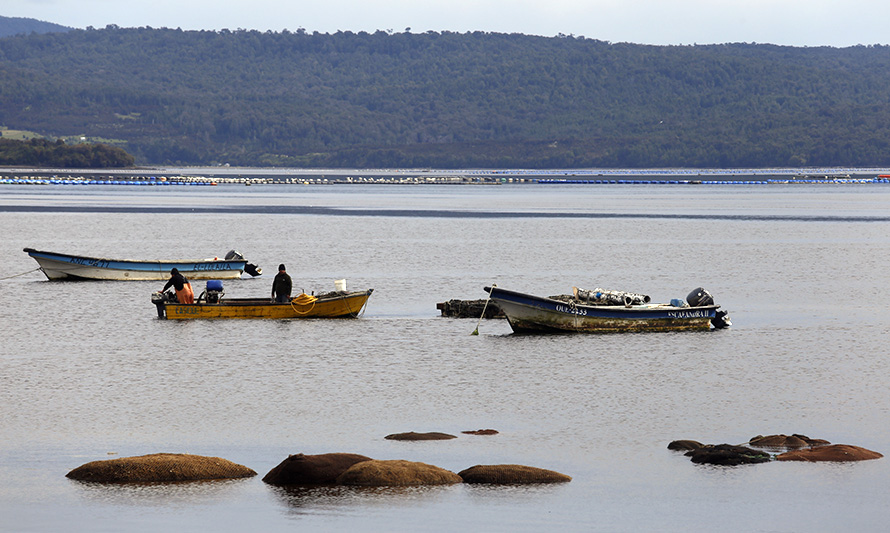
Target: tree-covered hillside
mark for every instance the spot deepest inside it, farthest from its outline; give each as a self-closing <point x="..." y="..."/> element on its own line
<point x="44" y="153"/>
<point x="448" y="99"/>
<point x="17" y="25"/>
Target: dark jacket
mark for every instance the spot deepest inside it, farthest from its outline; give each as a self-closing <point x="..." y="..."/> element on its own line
<point x="177" y="280"/>
<point x="282" y="284"/>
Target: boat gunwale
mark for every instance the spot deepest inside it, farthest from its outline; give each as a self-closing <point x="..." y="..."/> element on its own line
<point x="266" y="302"/>
<point x="51" y="256"/>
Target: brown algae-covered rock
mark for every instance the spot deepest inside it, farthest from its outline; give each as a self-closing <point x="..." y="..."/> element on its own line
<point x="787" y="442"/>
<point x="321" y="469"/>
<point x="481" y="432"/>
<point x="420" y="436"/>
<point x="831" y="452"/>
<point x="511" y="474"/>
<point x="396" y="473"/>
<point x="159" y="467"/>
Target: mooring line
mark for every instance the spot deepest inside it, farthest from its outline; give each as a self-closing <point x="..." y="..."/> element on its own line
<point x="22" y="274"/>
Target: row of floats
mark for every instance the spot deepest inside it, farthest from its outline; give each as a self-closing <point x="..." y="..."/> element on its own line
<point x="205" y="181"/>
<point x="879" y="179"/>
<point x="79" y="180"/>
<point x="167" y="181"/>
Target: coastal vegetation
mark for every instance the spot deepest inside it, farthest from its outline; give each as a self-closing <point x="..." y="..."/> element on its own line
<point x="58" y="154"/>
<point x="448" y="100"/>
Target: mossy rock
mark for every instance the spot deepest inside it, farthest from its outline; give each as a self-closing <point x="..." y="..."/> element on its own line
<point x="159" y="467"/>
<point x="396" y="473"/>
<point x="321" y="469"/>
<point x="787" y="442"/>
<point x="511" y="474"/>
<point x="420" y="436"/>
<point x="830" y="453"/>
<point x="685" y="445"/>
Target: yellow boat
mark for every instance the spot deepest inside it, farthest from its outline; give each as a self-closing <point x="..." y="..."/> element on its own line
<point x="340" y="304"/>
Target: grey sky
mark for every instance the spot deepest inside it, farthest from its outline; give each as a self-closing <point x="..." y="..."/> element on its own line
<point x="786" y="22"/>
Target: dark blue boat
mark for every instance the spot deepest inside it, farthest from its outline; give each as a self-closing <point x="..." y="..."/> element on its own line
<point x="528" y="313"/>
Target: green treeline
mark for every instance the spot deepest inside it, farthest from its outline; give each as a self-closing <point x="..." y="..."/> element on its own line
<point x="45" y="153"/>
<point x="448" y="100"/>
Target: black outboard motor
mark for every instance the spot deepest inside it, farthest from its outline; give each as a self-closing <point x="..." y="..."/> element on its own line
<point x="699" y="297"/>
<point x="721" y="320"/>
<point x="160" y="298"/>
<point x="250" y="268"/>
<point x="253" y="270"/>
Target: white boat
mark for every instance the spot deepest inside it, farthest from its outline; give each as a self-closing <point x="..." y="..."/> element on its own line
<point x="58" y="266"/>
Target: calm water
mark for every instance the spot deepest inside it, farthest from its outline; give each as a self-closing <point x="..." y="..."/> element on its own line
<point x="87" y="371"/>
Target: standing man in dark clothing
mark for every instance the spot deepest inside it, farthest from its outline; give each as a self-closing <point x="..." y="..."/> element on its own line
<point x="281" y="286"/>
<point x="184" y="293"/>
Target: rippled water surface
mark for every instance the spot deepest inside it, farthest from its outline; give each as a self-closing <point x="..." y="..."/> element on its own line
<point x="88" y="372"/>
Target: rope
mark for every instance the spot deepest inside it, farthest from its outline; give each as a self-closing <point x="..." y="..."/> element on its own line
<point x="361" y="311"/>
<point x="484" y="307"/>
<point x="304" y="299"/>
<point x="22" y="274"/>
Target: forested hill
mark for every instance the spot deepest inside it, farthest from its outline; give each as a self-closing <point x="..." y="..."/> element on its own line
<point x="18" y="25"/>
<point x="448" y="100"/>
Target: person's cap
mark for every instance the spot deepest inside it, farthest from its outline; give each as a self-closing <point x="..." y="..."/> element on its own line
<point x="174" y="271"/>
<point x="281" y="266"/>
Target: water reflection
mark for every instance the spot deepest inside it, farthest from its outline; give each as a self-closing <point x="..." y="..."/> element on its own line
<point x="184" y="493"/>
<point x="339" y="498"/>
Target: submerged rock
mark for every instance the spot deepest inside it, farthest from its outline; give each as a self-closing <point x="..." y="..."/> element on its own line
<point x="396" y="473"/>
<point x="727" y="455"/>
<point x="685" y="445"/>
<point x="831" y="452"/>
<point x="159" y="467"/>
<point x="511" y="474"/>
<point x="420" y="436"/>
<point x="785" y="441"/>
<point x="321" y="469"/>
<point x="481" y="432"/>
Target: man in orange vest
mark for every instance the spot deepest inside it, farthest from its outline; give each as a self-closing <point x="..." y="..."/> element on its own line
<point x="184" y="294"/>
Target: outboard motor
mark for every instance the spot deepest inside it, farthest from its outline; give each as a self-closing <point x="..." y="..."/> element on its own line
<point x="721" y="320"/>
<point x="250" y="268"/>
<point x="699" y="297"/>
<point x="214" y="291"/>
<point x="234" y="254"/>
<point x="159" y="299"/>
<point x="253" y="270"/>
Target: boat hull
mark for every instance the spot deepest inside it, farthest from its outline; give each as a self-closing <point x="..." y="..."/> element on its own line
<point x="58" y="266"/>
<point x="348" y="305"/>
<point x="527" y="314"/>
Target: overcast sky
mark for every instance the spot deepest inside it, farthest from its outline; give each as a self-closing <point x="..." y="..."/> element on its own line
<point x="788" y="22"/>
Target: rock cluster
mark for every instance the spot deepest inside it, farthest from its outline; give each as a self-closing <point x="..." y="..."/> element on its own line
<point x="796" y="447"/>
<point x="348" y="469"/>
